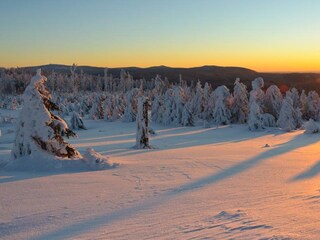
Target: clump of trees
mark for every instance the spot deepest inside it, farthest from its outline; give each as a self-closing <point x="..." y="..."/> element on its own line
<point x="108" y="98"/>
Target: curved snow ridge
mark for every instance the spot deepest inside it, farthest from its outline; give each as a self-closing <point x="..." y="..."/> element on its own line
<point x="91" y="160"/>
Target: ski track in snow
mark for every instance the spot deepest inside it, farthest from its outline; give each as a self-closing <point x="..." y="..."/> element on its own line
<point x="201" y="189"/>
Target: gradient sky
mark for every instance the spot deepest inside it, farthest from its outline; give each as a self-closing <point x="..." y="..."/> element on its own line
<point x="264" y="35"/>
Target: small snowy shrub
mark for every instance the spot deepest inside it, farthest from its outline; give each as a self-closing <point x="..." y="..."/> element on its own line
<point x="311" y="127"/>
<point x="268" y="120"/>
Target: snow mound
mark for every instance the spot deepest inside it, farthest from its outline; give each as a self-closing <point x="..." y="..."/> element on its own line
<point x="97" y="161"/>
<point x="43" y="162"/>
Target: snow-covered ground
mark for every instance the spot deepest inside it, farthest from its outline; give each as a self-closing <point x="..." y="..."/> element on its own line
<point x="197" y="183"/>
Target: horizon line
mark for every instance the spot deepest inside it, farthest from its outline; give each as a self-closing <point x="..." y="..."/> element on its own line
<point x="161" y="65"/>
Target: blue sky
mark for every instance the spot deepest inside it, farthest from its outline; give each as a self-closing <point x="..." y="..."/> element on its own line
<point x="264" y="35"/>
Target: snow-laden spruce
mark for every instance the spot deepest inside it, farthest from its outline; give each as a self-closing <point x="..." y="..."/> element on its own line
<point x="38" y="129"/>
<point x="142" y="136"/>
<point x="240" y="102"/>
<point x="130" y="109"/>
<point x="207" y="110"/>
<point x="313" y="103"/>
<point x="272" y="101"/>
<point x="221" y="112"/>
<point x="39" y="143"/>
<point x="303" y="104"/>
<point x="197" y="101"/>
<point x="255" y="118"/>
<point x="187" y="118"/>
<point x="76" y="121"/>
<point x="257" y="92"/>
<point x="157" y="109"/>
<point x="288" y="117"/>
<point x="96" y="112"/>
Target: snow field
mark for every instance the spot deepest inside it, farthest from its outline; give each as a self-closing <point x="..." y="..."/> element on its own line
<point x="197" y="184"/>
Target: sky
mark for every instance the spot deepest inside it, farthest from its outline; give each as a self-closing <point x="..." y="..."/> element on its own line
<point x="264" y="35"/>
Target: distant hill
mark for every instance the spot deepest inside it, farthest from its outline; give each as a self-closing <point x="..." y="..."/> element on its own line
<point x="215" y="75"/>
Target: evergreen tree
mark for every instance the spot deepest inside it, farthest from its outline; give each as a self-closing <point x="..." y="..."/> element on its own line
<point x="313" y="102"/>
<point x="273" y="100"/>
<point x="96" y="112"/>
<point x="129" y="113"/>
<point x="187" y="116"/>
<point x="287" y="116"/>
<point x="157" y="109"/>
<point x="206" y="97"/>
<point x="76" y="122"/>
<point x="303" y="104"/>
<point x="240" y="102"/>
<point x="221" y="112"/>
<point x="38" y="128"/>
<point x="257" y="92"/>
<point x="196" y="104"/>
<point x="255" y="118"/>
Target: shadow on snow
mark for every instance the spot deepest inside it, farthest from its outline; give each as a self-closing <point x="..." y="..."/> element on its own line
<point x="91" y="224"/>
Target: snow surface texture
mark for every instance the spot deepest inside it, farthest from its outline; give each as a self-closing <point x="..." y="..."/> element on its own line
<point x="216" y="183"/>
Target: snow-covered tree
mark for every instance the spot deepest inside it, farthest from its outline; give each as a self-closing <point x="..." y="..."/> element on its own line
<point x="273" y="100"/>
<point x="221" y="112"/>
<point x="157" y="109"/>
<point x="168" y="113"/>
<point x="76" y="121"/>
<point x="206" y="114"/>
<point x="255" y="118"/>
<point x="209" y="109"/>
<point x="187" y="118"/>
<point x="239" y="106"/>
<point x="196" y="103"/>
<point x="295" y="97"/>
<point x="286" y="120"/>
<point x="257" y="92"/>
<point x="96" y="112"/>
<point x="297" y="114"/>
<point x="129" y="111"/>
<point x="108" y="106"/>
<point x="303" y="104"/>
<point x="179" y="101"/>
<point x="142" y="137"/>
<point x="313" y="102"/>
<point x="38" y="129"/>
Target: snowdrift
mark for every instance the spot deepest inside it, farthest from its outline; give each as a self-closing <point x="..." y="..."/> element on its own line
<point x="91" y="160"/>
